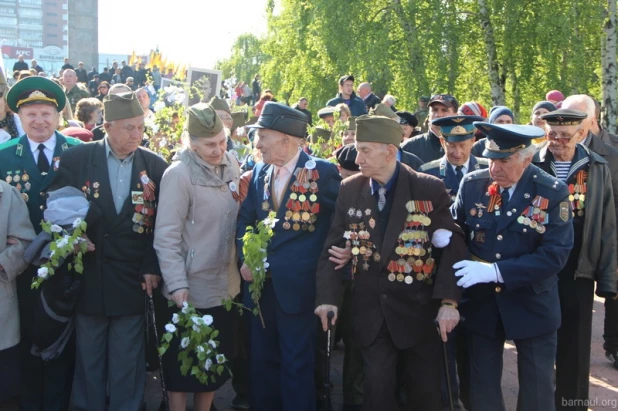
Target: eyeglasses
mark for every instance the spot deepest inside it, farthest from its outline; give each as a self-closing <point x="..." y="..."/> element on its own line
<point x="561" y="137"/>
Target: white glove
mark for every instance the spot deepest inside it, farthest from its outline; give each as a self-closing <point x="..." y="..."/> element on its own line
<point x="441" y="237"/>
<point x="474" y="272"/>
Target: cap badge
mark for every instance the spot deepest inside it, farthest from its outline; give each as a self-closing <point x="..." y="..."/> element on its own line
<point x="457" y="120"/>
<point x="458" y="130"/>
<point x="491" y="145"/>
<point x="36" y="94"/>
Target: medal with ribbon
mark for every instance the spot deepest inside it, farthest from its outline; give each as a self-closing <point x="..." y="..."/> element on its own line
<point x="577" y="193"/>
<point x="145" y="207"/>
<point x="535" y="216"/>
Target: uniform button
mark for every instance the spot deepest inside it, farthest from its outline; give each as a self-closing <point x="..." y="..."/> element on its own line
<point x="498" y="289"/>
<point x="525" y="230"/>
<point x="508" y="213"/>
<point x="477" y="226"/>
<point x="499" y="237"/>
<point x="498" y="256"/>
<point x="42" y="194"/>
<point x="514" y="210"/>
<point x="42" y="207"/>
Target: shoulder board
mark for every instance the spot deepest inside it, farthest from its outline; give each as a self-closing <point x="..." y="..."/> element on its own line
<point x="72" y="141"/>
<point x="482" y="160"/>
<point x="477" y="175"/>
<point x="11" y="143"/>
<point x="544" y="179"/>
<point x="432" y="164"/>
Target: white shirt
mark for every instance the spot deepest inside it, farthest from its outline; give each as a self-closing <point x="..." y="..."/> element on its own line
<point x="511" y="190"/>
<point x="464" y="169"/>
<point x="50" y="146"/>
<point x="282" y="176"/>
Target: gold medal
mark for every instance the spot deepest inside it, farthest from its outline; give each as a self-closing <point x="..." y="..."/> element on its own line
<point x="571" y="197"/>
<point x="296" y="227"/>
<point x="96" y="195"/>
<point x="400" y="277"/>
<point x="293" y="196"/>
<point x="306" y="216"/>
<point x="582" y="197"/>
<point x="416" y="251"/>
<point x="288" y="214"/>
<point x="355" y="251"/>
<point x="296" y="216"/>
<point x="313" y="198"/>
<point x="533" y="224"/>
<point x="265" y="205"/>
<point x="423" y="252"/>
<point x="140" y="230"/>
<point x="419" y="277"/>
<point x="391" y="277"/>
<point x="362" y="250"/>
<point x="580" y="213"/>
<point x="526" y="221"/>
<point x="25" y="177"/>
<point x="520" y="219"/>
<point x="311" y="228"/>
<point x="302" y="198"/>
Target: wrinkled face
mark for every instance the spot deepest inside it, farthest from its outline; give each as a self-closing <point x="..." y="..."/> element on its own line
<point x="437" y="110"/>
<point x="536" y="117"/>
<point x="347" y="88"/>
<point x="39" y="121"/>
<point x="349" y="137"/>
<point x="144" y="99"/>
<point x="363" y="92"/>
<point x="227" y="119"/>
<point x="508" y="171"/>
<point x="504" y="119"/>
<point x="211" y="149"/>
<point x="458" y="153"/>
<point x="125" y="135"/>
<point x="562" y="140"/>
<point x="270" y="144"/>
<point x="302" y="104"/>
<point x="69" y="78"/>
<point x="372" y="158"/>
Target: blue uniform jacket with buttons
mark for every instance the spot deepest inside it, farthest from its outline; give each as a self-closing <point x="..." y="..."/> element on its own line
<point x="527" y="302"/>
<point x="18" y="163"/>
<point x="292" y="254"/>
<point x="444" y="171"/>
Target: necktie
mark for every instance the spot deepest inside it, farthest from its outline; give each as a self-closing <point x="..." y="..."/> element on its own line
<point x="459" y="175"/>
<point x="42" y="162"/>
<point x="505" y="198"/>
<point x="381" y="198"/>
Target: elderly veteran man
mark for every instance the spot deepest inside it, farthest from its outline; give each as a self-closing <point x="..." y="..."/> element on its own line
<point x="394" y="217"/>
<point x="121" y="181"/>
<point x="593" y="139"/>
<point x="517" y="220"/>
<point x="302" y="191"/>
<point x="427" y="146"/>
<point x="327" y="114"/>
<point x="593" y="257"/>
<point x="29" y="164"/>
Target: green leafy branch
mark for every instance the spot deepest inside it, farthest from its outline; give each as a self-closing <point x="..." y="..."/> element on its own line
<point x="197" y="339"/>
<point x="254" y="248"/>
<point x="64" y="243"/>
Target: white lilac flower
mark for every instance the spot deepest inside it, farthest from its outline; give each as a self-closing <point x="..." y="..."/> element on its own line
<point x="55" y="228"/>
<point x="220" y="358"/>
<point x="185" y="307"/>
<point x="347" y="235"/>
<point x="63" y="242"/>
<point x="184" y="343"/>
<point x="196" y="320"/>
<point x="43" y="272"/>
<point x="208" y="364"/>
<point x="175" y="318"/>
<point x="170" y="328"/>
<point x="271" y="222"/>
<point x="200" y="348"/>
<point x="266" y="264"/>
<point x="212" y="344"/>
<point x="159" y="105"/>
<point x="77" y="222"/>
<point x="207" y="319"/>
<point x="196" y="327"/>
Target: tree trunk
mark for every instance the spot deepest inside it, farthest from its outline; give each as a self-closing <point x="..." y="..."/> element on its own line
<point x="497" y="91"/>
<point x="609" y="69"/>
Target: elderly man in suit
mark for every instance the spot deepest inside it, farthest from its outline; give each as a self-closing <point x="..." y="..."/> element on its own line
<point x="29" y="164"/>
<point x="394" y="217"/>
<point x="121" y="180"/>
<point x="517" y="221"/>
<point x="302" y="191"/>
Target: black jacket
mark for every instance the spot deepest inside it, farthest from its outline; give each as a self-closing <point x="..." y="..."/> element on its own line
<point x="426" y="147"/>
<point x="111" y="280"/>
<point x="20" y="65"/>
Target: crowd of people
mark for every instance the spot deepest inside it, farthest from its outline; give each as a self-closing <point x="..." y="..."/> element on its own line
<point x="389" y="225"/>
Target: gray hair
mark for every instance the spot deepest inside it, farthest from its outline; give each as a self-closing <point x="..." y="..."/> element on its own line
<point x="390" y="99"/>
<point x="364" y="85"/>
<point x="527" y="152"/>
<point x="578" y="99"/>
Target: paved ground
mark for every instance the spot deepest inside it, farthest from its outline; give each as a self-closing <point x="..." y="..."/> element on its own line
<point x="603" y="378"/>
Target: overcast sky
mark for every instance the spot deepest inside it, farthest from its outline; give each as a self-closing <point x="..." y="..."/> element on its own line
<point x="196" y="32"/>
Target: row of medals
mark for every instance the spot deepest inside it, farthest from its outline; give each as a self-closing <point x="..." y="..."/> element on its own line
<point x="362" y="246"/>
<point x="411" y="251"/>
<point x="577" y="199"/>
<point x="534" y="218"/>
<point x="301" y="220"/>
<point x="143" y="219"/>
<point x="17" y="179"/>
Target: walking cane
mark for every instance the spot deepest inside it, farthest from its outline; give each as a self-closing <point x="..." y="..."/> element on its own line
<point x="151" y="308"/>
<point x="328" y="386"/>
<point x="451" y="406"/>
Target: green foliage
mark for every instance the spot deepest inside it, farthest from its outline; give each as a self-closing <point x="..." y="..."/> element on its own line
<point x="197" y="339"/>
<point x="412" y="48"/>
<point x="65" y="242"/>
<point x="246" y="59"/>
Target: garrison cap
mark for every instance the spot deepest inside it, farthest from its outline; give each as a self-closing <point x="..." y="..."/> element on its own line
<point x="203" y="121"/>
<point x="564" y="117"/>
<point x="320" y="132"/>
<point x="457" y="128"/>
<point x="122" y="106"/>
<point x="220" y="104"/>
<point x="378" y="129"/>
<point x="239" y="119"/>
<point x="35" y="90"/>
<point x="383" y="110"/>
<point x="351" y="124"/>
<point x="505" y="139"/>
<point x="279" y="117"/>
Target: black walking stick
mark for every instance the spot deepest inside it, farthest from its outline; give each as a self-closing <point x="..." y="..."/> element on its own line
<point x="451" y="406"/>
<point x="151" y="308"/>
<point x="328" y="386"/>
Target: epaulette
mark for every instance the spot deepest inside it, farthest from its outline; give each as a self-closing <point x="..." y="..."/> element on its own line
<point x="546" y="180"/>
<point x="477" y="175"/>
<point x="72" y="141"/>
<point x="12" y="142"/>
<point x="431" y="165"/>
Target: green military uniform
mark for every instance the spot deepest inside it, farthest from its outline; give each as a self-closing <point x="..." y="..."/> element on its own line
<point x="75" y="95"/>
<point x="44" y="384"/>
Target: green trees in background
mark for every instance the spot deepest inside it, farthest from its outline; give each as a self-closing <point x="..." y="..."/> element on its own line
<point x="492" y="51"/>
